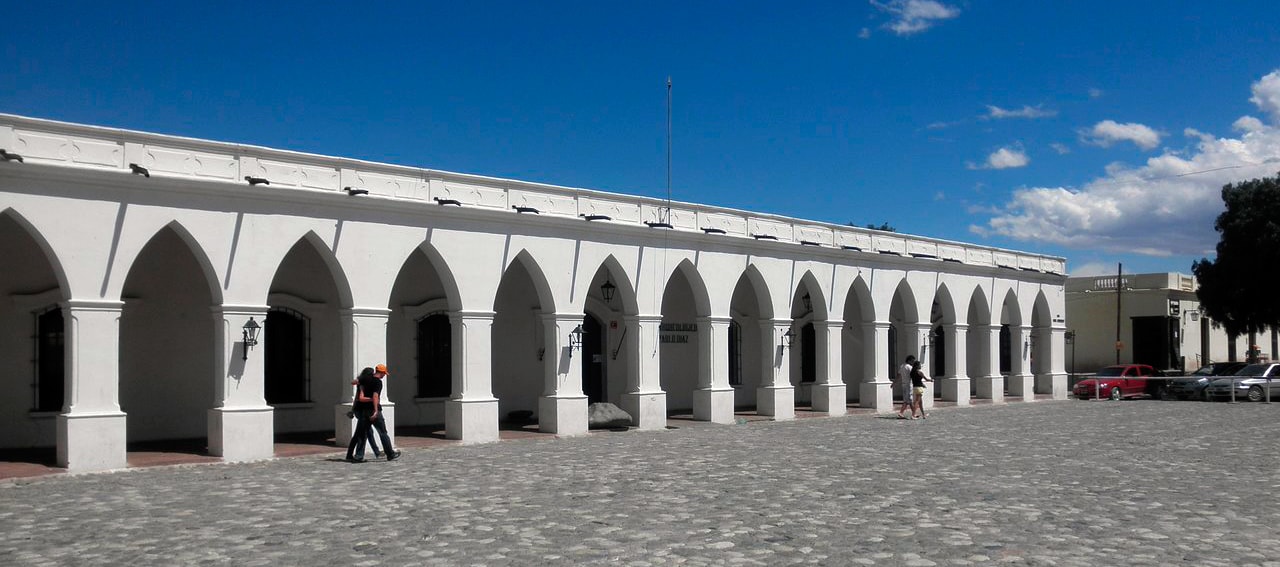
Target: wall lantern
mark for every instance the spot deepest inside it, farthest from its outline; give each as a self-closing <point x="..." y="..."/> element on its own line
<point x="788" y="338"/>
<point x="808" y="303"/>
<point x="607" y="289"/>
<point x="250" y="334"/>
<point x="575" y="338"/>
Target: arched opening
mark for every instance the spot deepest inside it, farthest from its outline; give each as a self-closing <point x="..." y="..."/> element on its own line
<point x="167" y="348"/>
<point x="519" y="346"/>
<point x="303" y="373"/>
<point x="751" y="312"/>
<point x="1041" y="346"/>
<point x="420" y="339"/>
<point x="979" y="367"/>
<point x="808" y="306"/>
<point x="904" y="333"/>
<point x="610" y="299"/>
<point x="857" y="350"/>
<point x="942" y="329"/>
<point x="679" y="350"/>
<point x="1013" y="347"/>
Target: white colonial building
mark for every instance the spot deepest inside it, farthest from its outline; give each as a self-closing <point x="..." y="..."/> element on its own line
<point x="132" y="263"/>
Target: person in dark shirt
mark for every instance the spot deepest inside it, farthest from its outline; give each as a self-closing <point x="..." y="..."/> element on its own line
<point x="362" y="407"/>
<point x="917" y="389"/>
<point x="374" y="391"/>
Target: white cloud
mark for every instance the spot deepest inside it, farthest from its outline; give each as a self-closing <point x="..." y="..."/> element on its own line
<point x="1092" y="269"/>
<point x="1110" y="132"/>
<point x="1164" y="207"/>
<point x="864" y="33"/>
<point x="1248" y="124"/>
<point x="914" y="16"/>
<point x="1266" y="95"/>
<point x="1038" y="111"/>
<point x="939" y="196"/>
<point x="1004" y="158"/>
<point x="1095" y="93"/>
<point x="1062" y="149"/>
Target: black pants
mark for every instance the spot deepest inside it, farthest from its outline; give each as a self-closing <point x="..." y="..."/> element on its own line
<point x="355" y="449"/>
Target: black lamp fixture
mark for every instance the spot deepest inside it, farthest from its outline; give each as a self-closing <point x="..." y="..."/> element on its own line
<point x="250" y="334"/>
<point x="139" y="170"/>
<point x="353" y="191"/>
<point x="788" y="338"/>
<point x="808" y="302"/>
<point x="575" y="338"/>
<point x="607" y="290"/>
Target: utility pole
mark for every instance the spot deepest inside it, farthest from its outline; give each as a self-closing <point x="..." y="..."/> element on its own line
<point x="1119" y="294"/>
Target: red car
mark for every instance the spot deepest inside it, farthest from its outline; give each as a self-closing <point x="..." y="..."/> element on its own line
<point x="1115" y="382"/>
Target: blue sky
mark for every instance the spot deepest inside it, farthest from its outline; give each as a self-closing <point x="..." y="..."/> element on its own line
<point x="1080" y="129"/>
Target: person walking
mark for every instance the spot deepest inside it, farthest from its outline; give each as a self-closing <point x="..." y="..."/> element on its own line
<point x="917" y="390"/>
<point x="904" y="382"/>
<point x="374" y="391"/>
<point x="362" y="407"/>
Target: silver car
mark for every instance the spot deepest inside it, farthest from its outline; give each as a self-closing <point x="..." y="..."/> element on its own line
<point x="1250" y="383"/>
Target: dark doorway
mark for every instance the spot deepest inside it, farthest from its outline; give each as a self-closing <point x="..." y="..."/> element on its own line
<point x="808" y="354"/>
<point x="1155" y="342"/>
<point x="939" y="365"/>
<point x="435" y="356"/>
<point x="287" y="343"/>
<point x="1005" y="349"/>
<point x="735" y="353"/>
<point x="593" y="360"/>
<point x="50" y="360"/>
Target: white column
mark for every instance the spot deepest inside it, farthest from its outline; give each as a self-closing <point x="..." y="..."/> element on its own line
<point x="713" y="398"/>
<point x="91" y="428"/>
<point x="364" y="339"/>
<point x="241" y="424"/>
<point x="877" y="390"/>
<point x="1055" y="381"/>
<point x="471" y="413"/>
<point x="829" y="390"/>
<point x="775" y="396"/>
<point x="955" y="388"/>
<point x="991" y="386"/>
<point x="644" y="398"/>
<point x="562" y="408"/>
<point x="1020" y="382"/>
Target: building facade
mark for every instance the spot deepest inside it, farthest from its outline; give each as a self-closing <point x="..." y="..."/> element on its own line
<point x="135" y="262"/>
<point x="1150" y="319"/>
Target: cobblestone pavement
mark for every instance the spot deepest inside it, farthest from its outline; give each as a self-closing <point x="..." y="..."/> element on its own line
<point x="1051" y="483"/>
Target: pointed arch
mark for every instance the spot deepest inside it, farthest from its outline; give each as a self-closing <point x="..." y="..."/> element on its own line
<point x="943" y="306"/>
<point x="859" y="297"/>
<point x="626" y="291"/>
<point x="817" y="299"/>
<point x="904" y="303"/>
<point x="546" y="300"/>
<point x="1010" y="309"/>
<point x="979" y="308"/>
<point x="207" y="271"/>
<point x="55" y="264"/>
<point x="701" y="298"/>
<point x="336" y="271"/>
<point x="760" y="289"/>
<point x="441" y="267"/>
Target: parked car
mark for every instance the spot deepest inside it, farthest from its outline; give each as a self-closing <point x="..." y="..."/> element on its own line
<point x="1249" y="383"/>
<point x="1191" y="386"/>
<point x="1115" y="382"/>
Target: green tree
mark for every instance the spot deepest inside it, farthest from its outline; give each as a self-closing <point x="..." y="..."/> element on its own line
<point x="1240" y="288"/>
<point x="882" y="226"/>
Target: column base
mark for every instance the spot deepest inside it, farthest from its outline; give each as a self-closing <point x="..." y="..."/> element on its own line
<point x="777" y="401"/>
<point x="648" y="410"/>
<point x="713" y="405"/>
<point x="990" y="388"/>
<point x="1021" y="386"/>
<point x="956" y="390"/>
<point x="92" y="441"/>
<point x="829" y="399"/>
<point x="926" y="403"/>
<point x="242" y="434"/>
<point x="1053" y="384"/>
<point x="471" y="421"/>
<point x="562" y="415"/>
<point x="876" y="395"/>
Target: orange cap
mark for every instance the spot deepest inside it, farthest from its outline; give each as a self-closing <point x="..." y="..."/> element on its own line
<point x="381" y="368"/>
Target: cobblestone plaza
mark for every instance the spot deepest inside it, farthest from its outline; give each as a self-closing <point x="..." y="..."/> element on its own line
<point x="1049" y="483"/>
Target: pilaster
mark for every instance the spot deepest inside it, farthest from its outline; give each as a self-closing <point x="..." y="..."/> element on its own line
<point x="955" y="388"/>
<point x="91" y="428"/>
<point x="775" y="397"/>
<point x="562" y="408"/>
<point x="829" y="391"/>
<point x="1020" y="383"/>
<point x="471" y="413"/>
<point x="241" y="425"/>
<point x="644" y="398"/>
<point x="877" y="391"/>
<point x="713" y="398"/>
<point x="364" y="339"/>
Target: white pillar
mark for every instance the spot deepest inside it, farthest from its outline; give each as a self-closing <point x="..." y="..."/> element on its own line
<point x="364" y="339"/>
<point x="775" y="397"/>
<point x="877" y="390"/>
<point x="1055" y="381"/>
<point x="713" y="398"/>
<point x="991" y="386"/>
<point x="241" y="424"/>
<point x="91" y="427"/>
<point x="471" y="412"/>
<point x="955" y="388"/>
<point x="562" y="408"/>
<point x="1020" y="383"/>
<point x="829" y="390"/>
<point x="644" y="398"/>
